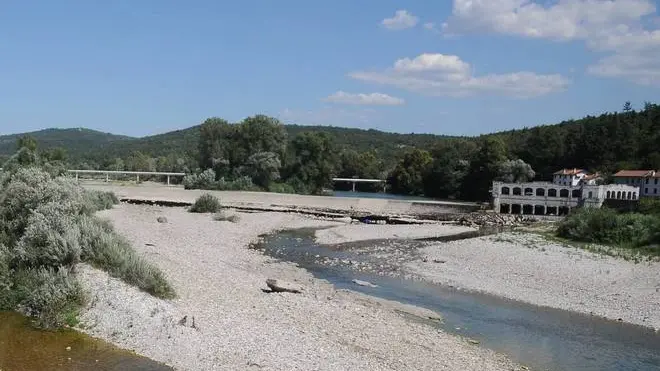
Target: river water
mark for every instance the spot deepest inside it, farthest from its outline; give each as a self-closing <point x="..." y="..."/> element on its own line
<point x="541" y="338"/>
<point x="24" y="348"/>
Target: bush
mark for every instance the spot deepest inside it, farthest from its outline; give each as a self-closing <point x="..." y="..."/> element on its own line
<point x="281" y="188"/>
<point x="106" y="250"/>
<point x="52" y="296"/>
<point x="206" y="203"/>
<point x="46" y="227"/>
<point x="649" y="206"/>
<point x="51" y="239"/>
<point x="100" y="200"/>
<point x="226" y="217"/>
<point x="608" y="227"/>
<point x="205" y="180"/>
<point x="6" y="280"/>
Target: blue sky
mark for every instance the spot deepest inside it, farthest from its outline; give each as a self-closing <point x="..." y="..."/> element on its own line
<point x="447" y="67"/>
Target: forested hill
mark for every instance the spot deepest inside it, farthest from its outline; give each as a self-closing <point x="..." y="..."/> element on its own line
<point x="77" y="140"/>
<point x="93" y="147"/>
<point x="438" y="166"/>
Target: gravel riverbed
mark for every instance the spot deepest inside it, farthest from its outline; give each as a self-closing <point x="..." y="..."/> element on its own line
<point x="222" y="320"/>
<point x="528" y="268"/>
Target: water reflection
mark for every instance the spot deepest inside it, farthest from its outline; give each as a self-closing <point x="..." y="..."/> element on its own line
<point x="25" y="348"/>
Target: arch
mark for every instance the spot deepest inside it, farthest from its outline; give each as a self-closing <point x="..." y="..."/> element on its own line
<point x="529" y="192"/>
<point x="517" y="191"/>
<point x="563" y="193"/>
<point x="608" y="194"/>
<point x="618" y="195"/>
<point x="528" y="209"/>
<point x="634" y="195"/>
<point x="552" y="192"/>
<point x="505" y="191"/>
<point x="505" y="209"/>
<point x="630" y="195"/>
<point x="576" y="193"/>
<point x="539" y="210"/>
<point x="540" y="192"/>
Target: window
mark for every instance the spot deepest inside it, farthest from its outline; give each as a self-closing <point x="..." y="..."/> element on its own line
<point x="646" y="191"/>
<point x="656" y="180"/>
<point x="608" y="195"/>
<point x="505" y="190"/>
<point x="647" y="180"/>
<point x="655" y="191"/>
<point x="591" y="194"/>
<point x="563" y="193"/>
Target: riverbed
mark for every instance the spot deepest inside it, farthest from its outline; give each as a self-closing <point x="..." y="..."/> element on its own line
<point x="540" y="337"/>
<point x="221" y="283"/>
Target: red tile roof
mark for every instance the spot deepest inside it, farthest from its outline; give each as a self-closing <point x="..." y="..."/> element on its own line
<point x="591" y="176"/>
<point x="570" y="171"/>
<point x="634" y="173"/>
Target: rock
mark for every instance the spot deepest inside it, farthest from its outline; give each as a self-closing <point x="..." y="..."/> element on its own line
<point x="471" y="341"/>
<point x="364" y="283"/>
<point x="161" y="219"/>
<point x="68" y="348"/>
<point x="439" y="261"/>
<point x="281" y="286"/>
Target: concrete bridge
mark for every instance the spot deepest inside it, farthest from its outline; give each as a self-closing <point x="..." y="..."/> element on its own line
<point x="354" y="181"/>
<point x="136" y="173"/>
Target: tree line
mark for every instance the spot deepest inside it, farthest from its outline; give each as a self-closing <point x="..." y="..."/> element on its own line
<point x="261" y="153"/>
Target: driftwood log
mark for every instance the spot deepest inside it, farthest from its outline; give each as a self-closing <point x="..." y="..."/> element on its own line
<point x="279" y="286"/>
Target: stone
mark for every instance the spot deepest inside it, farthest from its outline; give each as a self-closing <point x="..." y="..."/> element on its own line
<point x="161" y="219"/>
<point x="281" y="286"/>
<point x="364" y="283"/>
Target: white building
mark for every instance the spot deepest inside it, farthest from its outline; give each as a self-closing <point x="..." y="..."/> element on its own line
<point x="648" y="181"/>
<point x="569" y="177"/>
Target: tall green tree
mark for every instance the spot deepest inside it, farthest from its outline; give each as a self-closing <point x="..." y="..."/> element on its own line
<point x="312" y="163"/>
<point x="484" y="168"/>
<point x="408" y="176"/>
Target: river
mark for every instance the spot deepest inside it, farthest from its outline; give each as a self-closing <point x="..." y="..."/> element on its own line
<point x="541" y="338"/>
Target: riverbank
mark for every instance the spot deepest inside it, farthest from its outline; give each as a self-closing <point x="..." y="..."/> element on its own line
<point x="528" y="268"/>
<point x="345" y="205"/>
<point x="525" y="267"/>
<point x="223" y="320"/>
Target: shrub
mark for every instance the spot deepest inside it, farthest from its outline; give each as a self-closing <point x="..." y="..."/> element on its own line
<point x="106" y="250"/>
<point x="206" y="203"/>
<point x="52" y="296"/>
<point x="205" y="180"/>
<point x="281" y="188"/>
<point x="100" y="200"/>
<point x="51" y="239"/>
<point x="226" y="217"/>
<point x="6" y="280"/>
<point x="607" y="227"/>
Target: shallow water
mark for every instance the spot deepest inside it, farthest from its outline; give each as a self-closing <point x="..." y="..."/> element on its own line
<point x="541" y="338"/>
<point x="387" y="196"/>
<point x="25" y="348"/>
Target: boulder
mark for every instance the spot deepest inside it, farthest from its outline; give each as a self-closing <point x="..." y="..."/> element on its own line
<point x="282" y="286"/>
<point x="161" y="219"/>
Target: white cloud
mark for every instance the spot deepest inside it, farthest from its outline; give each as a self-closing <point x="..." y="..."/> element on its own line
<point x="402" y="19"/>
<point x="617" y="27"/>
<point x="430" y="26"/>
<point x="448" y="75"/>
<point x="373" y="99"/>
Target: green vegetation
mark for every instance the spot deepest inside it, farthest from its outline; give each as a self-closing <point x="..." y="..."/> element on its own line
<point x="606" y="226"/>
<point x="271" y="154"/>
<point x="223" y="216"/>
<point x="206" y="203"/>
<point x="47" y="227"/>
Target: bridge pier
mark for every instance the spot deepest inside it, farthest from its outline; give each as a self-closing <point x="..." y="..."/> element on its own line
<point x="353" y="186"/>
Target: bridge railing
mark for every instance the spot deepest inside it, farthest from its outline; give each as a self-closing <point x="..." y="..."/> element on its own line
<point x="137" y="174"/>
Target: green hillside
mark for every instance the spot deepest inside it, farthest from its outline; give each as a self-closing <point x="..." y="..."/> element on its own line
<point x="76" y="141"/>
